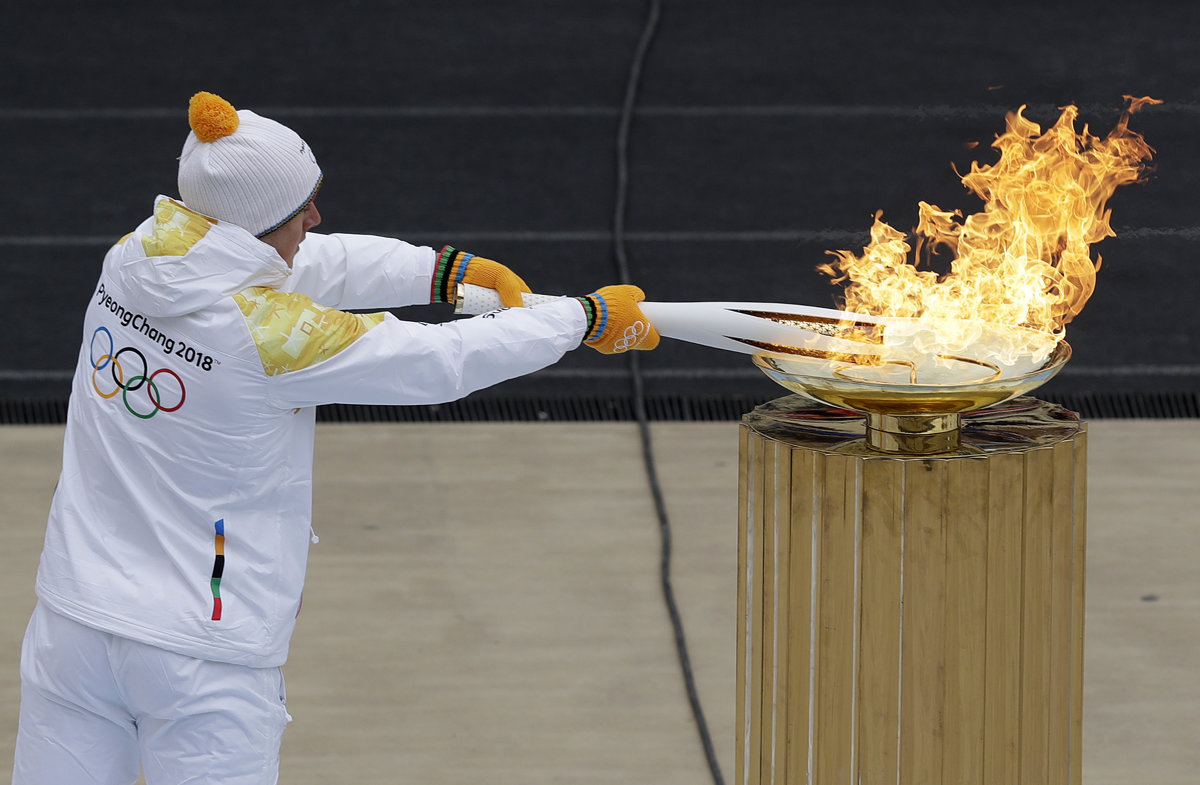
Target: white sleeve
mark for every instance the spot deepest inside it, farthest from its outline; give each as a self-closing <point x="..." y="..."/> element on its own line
<point x="358" y="271"/>
<point x="401" y="362"/>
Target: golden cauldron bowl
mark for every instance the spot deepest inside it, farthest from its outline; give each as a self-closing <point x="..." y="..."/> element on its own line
<point x="905" y="413"/>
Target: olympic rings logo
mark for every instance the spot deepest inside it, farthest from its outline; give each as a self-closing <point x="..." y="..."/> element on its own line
<point x="634" y="334"/>
<point x="112" y="361"/>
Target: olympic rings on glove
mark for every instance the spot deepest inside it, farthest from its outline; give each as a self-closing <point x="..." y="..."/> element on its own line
<point x="634" y="334"/>
<point x="145" y="379"/>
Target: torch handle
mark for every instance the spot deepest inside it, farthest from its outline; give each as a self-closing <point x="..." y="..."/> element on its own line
<point x="471" y="299"/>
<point x="748" y="328"/>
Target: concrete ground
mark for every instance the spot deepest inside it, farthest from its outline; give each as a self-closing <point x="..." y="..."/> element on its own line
<point x="484" y="603"/>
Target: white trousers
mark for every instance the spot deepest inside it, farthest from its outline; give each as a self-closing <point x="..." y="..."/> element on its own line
<point x="96" y="708"/>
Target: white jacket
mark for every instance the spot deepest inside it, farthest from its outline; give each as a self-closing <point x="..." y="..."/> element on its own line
<point x="182" y="515"/>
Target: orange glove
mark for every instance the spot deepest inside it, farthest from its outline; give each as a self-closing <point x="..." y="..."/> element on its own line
<point x="615" y="322"/>
<point x="455" y="267"/>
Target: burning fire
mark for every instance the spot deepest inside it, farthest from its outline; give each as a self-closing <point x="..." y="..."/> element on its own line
<point x="1021" y="267"/>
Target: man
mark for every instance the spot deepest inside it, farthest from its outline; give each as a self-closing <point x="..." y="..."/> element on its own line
<point x="177" y="539"/>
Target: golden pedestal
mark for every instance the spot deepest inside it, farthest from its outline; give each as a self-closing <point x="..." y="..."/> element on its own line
<point x="910" y="620"/>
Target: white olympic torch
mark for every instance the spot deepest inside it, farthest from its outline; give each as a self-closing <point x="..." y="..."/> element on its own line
<point x="749" y="328"/>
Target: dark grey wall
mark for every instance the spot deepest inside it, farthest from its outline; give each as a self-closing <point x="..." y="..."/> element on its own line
<point x="767" y="133"/>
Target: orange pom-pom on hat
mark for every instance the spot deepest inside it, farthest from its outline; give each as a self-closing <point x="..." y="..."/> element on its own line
<point x="211" y="117"/>
<point x="239" y="167"/>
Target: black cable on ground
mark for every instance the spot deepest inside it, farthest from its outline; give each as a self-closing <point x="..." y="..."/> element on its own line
<point x="639" y="398"/>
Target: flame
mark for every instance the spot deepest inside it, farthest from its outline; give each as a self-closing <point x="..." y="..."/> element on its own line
<point x="1022" y="264"/>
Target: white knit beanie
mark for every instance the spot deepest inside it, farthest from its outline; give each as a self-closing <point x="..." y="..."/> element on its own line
<point x="245" y="169"/>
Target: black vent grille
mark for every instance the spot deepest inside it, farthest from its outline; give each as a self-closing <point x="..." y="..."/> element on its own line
<point x="33" y="411"/>
<point x="1134" y="406"/>
<point x="574" y="409"/>
<point x="1178" y="405"/>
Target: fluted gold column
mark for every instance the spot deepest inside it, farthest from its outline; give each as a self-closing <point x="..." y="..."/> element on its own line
<point x="910" y="620"/>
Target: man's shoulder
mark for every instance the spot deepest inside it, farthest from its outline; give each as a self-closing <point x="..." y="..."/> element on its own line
<point x="293" y="332"/>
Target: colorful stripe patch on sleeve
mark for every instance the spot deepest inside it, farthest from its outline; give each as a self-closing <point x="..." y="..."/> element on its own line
<point x="218" y="569"/>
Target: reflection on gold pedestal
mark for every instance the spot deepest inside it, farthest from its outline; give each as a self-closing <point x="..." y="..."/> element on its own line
<point x="910" y="619"/>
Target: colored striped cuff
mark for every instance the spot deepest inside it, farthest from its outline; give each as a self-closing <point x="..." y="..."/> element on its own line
<point x="449" y="271"/>
<point x="597" y="316"/>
